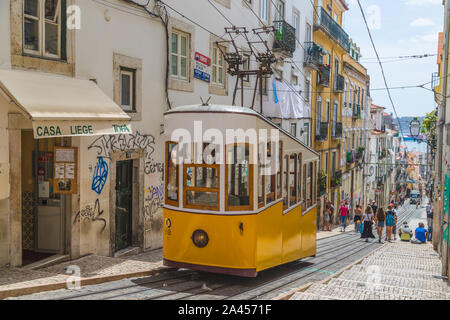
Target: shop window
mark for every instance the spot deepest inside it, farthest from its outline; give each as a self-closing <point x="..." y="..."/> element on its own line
<point x="201" y="186"/>
<point x="172" y="184"/>
<point x="293" y="180"/>
<point x="43" y="29"/>
<point x="238" y="178"/>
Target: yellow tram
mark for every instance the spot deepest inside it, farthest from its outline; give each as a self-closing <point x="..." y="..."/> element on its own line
<point x="240" y="193"/>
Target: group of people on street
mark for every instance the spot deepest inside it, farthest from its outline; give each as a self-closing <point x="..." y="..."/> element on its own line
<point x="377" y="216"/>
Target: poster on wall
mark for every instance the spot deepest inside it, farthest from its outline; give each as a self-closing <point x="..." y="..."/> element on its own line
<point x="65" y="164"/>
<point x="202" y="66"/>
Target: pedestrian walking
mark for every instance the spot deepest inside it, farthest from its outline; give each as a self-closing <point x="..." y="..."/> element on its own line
<point x="390" y="222"/>
<point x="394" y="228"/>
<point x="429" y="215"/>
<point x="380" y="220"/>
<point x="343" y="212"/>
<point x="368" y="219"/>
<point x="357" y="217"/>
<point x="374" y="207"/>
<point x="326" y="217"/>
<point x="331" y="213"/>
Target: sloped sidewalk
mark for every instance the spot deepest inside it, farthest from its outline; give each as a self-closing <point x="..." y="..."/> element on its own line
<point x="396" y="271"/>
<point x="93" y="270"/>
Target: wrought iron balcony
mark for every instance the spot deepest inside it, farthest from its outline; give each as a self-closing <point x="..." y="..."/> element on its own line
<point x="360" y="153"/>
<point x="323" y="133"/>
<point x="337" y="130"/>
<point x="339" y="83"/>
<point x="435" y="80"/>
<point x="326" y="23"/>
<point x="350" y="157"/>
<point x="336" y="179"/>
<point x="284" y="38"/>
<point x="356" y="111"/>
<point x="313" y="53"/>
<point x="323" y="76"/>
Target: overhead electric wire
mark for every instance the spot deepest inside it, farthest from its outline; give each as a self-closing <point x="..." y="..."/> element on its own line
<point x="382" y="69"/>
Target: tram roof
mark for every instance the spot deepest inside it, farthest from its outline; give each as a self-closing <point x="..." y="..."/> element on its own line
<point x="233" y="109"/>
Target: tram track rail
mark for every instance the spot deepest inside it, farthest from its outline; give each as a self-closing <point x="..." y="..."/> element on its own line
<point x="186" y="284"/>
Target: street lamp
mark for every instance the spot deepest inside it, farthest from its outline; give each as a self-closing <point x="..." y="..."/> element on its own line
<point x="414" y="127"/>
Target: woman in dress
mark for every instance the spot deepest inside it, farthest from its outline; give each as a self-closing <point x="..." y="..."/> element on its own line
<point x="368" y="219"/>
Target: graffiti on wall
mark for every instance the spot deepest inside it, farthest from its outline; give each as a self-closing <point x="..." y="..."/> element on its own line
<point x="90" y="213"/>
<point x="154" y="199"/>
<point x="122" y="142"/>
<point x="100" y="175"/>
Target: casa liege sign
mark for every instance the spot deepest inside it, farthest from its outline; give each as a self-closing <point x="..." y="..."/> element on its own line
<point x="49" y="129"/>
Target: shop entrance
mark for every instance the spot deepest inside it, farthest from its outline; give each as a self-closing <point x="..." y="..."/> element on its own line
<point x="124" y="200"/>
<point x="43" y="211"/>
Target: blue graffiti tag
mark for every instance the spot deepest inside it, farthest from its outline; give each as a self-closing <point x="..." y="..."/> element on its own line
<point x="100" y="175"/>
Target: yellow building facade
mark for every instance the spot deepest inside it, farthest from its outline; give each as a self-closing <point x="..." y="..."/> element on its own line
<point x="326" y="57"/>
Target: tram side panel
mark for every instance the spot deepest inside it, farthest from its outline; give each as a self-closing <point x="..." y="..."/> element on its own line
<point x="269" y="251"/>
<point x="292" y="235"/>
<point x="309" y="232"/>
<point x="231" y="239"/>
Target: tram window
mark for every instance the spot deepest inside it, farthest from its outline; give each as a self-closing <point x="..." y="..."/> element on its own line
<point x="239" y="178"/>
<point x="299" y="179"/>
<point x="261" y="175"/>
<point x="279" y="169"/>
<point x="309" y="186"/>
<point x="285" y="181"/>
<point x="270" y="180"/>
<point x="293" y="180"/>
<point x="171" y="174"/>
<point x="201" y="186"/>
<point x="314" y="177"/>
<point x="304" y="184"/>
<point x="207" y="154"/>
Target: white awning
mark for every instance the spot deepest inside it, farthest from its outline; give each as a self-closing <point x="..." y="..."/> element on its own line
<point x="61" y="106"/>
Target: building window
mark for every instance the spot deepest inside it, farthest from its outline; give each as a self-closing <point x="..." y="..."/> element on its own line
<point x="246" y="67"/>
<point x="293" y="129"/>
<point x="128" y="89"/>
<point x="296" y="24"/>
<point x="307" y="89"/>
<point x="306" y="131"/>
<point x="42" y="27"/>
<point x="279" y="14"/>
<point x="218" y="67"/>
<point x="308" y="33"/>
<point x="264" y="10"/>
<point x="294" y="79"/>
<point x="180" y="54"/>
<point x="318" y="114"/>
<point x="264" y="86"/>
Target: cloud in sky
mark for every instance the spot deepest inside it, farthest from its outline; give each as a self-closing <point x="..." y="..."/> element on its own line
<point x="430" y="37"/>
<point x="421" y="2"/>
<point x="422" y="22"/>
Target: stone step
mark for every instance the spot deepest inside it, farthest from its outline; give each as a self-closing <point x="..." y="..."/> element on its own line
<point x="343" y="293"/>
<point x="431" y="284"/>
<point x="407" y="254"/>
<point x="407" y="273"/>
<point x="388" y="289"/>
<point x="402" y="264"/>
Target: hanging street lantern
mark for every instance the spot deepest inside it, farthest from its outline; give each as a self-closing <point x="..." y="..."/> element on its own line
<point x="414" y="127"/>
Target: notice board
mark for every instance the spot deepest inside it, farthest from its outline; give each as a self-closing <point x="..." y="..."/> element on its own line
<point x="65" y="170"/>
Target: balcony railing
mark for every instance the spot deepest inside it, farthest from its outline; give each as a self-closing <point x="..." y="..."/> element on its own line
<point x="350" y="157"/>
<point x="323" y="133"/>
<point x="339" y="83"/>
<point x="313" y="53"/>
<point x="356" y="111"/>
<point x="336" y="179"/>
<point x="323" y="76"/>
<point x="337" y="130"/>
<point x="435" y="80"/>
<point x="327" y="23"/>
<point x="284" y="38"/>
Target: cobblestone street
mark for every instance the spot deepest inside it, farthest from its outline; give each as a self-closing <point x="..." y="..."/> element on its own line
<point x="396" y="271"/>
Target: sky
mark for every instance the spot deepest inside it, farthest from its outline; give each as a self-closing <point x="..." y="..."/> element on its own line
<point x="398" y="28"/>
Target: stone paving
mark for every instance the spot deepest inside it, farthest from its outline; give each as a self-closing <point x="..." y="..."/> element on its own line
<point x="396" y="271"/>
<point x="90" y="267"/>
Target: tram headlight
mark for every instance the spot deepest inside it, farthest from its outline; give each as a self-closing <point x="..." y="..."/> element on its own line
<point x="200" y="238"/>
